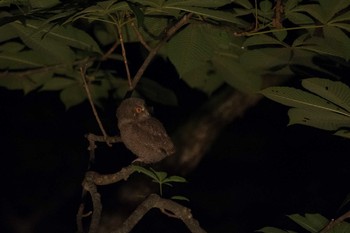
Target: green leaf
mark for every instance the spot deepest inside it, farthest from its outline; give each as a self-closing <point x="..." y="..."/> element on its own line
<point x="26" y="83"/>
<point x="156" y="92"/>
<point x="41" y="4"/>
<point x="198" y="3"/>
<point x="138" y="13"/>
<point x="311" y="222"/>
<point x="145" y="171"/>
<point x="73" y="95"/>
<point x="160" y="176"/>
<point x="103" y="35"/>
<point x="340" y="18"/>
<point x="343" y="227"/>
<point x="271" y="230"/>
<point x="187" y="49"/>
<point x="331" y="8"/>
<point x="299" y="41"/>
<point x="99" y="90"/>
<point x="299" y="18"/>
<point x="99" y="11"/>
<point x="120" y="85"/>
<point x="301" y="99"/>
<point x="343" y="133"/>
<point x="74" y="37"/>
<point x="177" y="179"/>
<point x="179" y="198"/>
<point x="7" y="33"/>
<point x="262" y="40"/>
<point x="344" y="26"/>
<point x="290" y="4"/>
<point x="280" y="35"/>
<point x="67" y="35"/>
<point x="152" y="3"/>
<point x="334" y="91"/>
<point x="12" y="47"/>
<point x="314" y="10"/>
<point x="153" y="28"/>
<point x="321" y="46"/>
<point x="265" y="6"/>
<point x="338" y="40"/>
<point x="58" y="83"/>
<point x="305" y="58"/>
<point x="204" y="78"/>
<point x="21" y="60"/>
<point x="265" y="59"/>
<point x="219" y="38"/>
<point x="52" y="50"/>
<point x="213" y="14"/>
<point x="245" y="3"/>
<point x="319" y="119"/>
<point x="235" y="75"/>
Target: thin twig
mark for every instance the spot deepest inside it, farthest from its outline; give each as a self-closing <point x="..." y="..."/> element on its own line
<point x="256" y="24"/>
<point x="110" y="51"/>
<point x="184" y="20"/>
<point x="82" y="72"/>
<point x="140" y="37"/>
<point x="121" y="40"/>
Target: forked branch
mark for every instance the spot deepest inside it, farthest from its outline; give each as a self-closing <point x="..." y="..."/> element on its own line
<point x="155" y="201"/>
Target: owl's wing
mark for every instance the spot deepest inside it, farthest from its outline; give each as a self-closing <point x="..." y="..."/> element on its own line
<point x="156" y="134"/>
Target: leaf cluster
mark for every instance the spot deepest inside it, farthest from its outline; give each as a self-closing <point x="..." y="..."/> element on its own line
<point x="44" y="43"/>
<point x="162" y="179"/>
<point x="327" y="107"/>
<point x="312" y="223"/>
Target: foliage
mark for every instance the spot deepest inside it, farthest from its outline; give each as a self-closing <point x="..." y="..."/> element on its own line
<point x="44" y="43"/>
<point x="313" y="223"/>
<point x="328" y="108"/>
<point x="161" y="178"/>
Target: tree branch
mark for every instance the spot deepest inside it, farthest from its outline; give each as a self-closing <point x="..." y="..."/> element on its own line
<point x="185" y="20"/>
<point x="195" y="138"/>
<point x="121" y="40"/>
<point x="155" y="201"/>
<point x="334" y="223"/>
<point x="82" y="73"/>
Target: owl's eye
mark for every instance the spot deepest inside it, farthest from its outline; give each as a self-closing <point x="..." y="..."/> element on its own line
<point x="138" y="109"/>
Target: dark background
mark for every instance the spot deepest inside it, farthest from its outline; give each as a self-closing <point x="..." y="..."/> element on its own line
<point x="257" y="172"/>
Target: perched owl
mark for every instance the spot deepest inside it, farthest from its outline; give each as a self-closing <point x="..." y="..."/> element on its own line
<point x="141" y="133"/>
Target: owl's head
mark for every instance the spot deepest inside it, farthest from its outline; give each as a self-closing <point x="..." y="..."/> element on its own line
<point x="132" y="109"/>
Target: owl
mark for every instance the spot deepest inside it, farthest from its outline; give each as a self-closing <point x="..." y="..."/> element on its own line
<point x="141" y="133"/>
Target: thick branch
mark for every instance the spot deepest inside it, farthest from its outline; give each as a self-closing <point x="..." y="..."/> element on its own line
<point x="195" y="138"/>
<point x="154" y="201"/>
<point x="100" y="179"/>
<point x="90" y="186"/>
<point x="91" y="180"/>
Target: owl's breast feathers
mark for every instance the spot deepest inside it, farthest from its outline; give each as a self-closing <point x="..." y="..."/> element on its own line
<point x="147" y="139"/>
